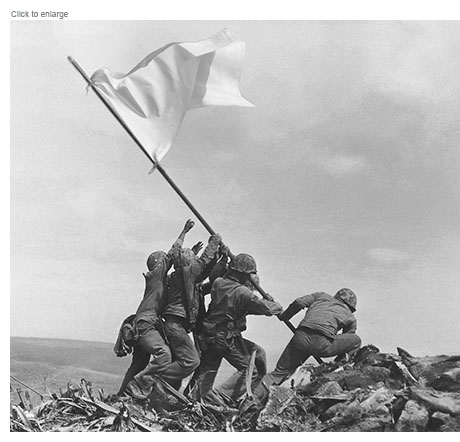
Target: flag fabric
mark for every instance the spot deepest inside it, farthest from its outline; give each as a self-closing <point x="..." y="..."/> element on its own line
<point x="153" y="97"/>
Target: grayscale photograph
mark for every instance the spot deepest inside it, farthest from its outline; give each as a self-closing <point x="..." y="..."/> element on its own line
<point x="234" y="225"/>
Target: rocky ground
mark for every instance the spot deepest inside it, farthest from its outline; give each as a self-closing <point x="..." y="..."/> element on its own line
<point x="374" y="392"/>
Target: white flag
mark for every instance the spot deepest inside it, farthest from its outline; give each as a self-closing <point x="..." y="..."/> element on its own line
<point x="153" y="97"/>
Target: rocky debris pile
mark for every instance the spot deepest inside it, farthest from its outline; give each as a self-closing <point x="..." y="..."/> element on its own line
<point x="77" y="409"/>
<point x="374" y="392"/>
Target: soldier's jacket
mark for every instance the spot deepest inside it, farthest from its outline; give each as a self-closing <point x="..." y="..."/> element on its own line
<point x="230" y="303"/>
<point x="325" y="314"/>
<point x="218" y="270"/>
<point x="154" y="299"/>
<point x="182" y="291"/>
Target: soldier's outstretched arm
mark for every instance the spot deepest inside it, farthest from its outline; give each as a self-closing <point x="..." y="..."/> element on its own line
<point x="187" y="227"/>
<point x="274" y="307"/>
<point x="296" y="306"/>
<point x="257" y="306"/>
<point x="207" y="256"/>
<point x="175" y="248"/>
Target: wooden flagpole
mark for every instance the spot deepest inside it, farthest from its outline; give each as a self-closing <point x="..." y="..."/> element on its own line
<point x="264" y="294"/>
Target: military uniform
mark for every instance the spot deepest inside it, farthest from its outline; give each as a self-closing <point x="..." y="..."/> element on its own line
<point x="182" y="309"/>
<point x="150" y="342"/>
<point x="225" y="320"/>
<point x="316" y="334"/>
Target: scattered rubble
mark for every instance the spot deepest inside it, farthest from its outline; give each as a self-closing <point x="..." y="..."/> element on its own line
<point x="375" y="392"/>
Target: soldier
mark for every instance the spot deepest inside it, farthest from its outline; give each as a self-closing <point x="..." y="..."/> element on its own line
<point x="317" y="335"/>
<point x="225" y="320"/>
<point x="147" y="323"/>
<point x="180" y="316"/>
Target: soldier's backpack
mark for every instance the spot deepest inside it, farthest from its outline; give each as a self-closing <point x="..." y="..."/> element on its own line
<point x="127" y="337"/>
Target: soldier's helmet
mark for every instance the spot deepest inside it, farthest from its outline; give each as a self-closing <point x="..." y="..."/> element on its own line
<point x="243" y="263"/>
<point x="154" y="259"/>
<point x="348" y="297"/>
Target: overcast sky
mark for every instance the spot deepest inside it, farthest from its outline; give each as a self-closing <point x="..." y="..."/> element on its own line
<point x="345" y="174"/>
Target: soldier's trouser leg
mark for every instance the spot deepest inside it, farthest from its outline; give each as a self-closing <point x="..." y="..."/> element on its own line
<point x="140" y="360"/>
<point x="261" y="361"/>
<point x="235" y="386"/>
<point x="295" y="354"/>
<point x="152" y="342"/>
<point x="185" y="357"/>
<point x="306" y="343"/>
<point x="345" y="343"/>
<point x="206" y="374"/>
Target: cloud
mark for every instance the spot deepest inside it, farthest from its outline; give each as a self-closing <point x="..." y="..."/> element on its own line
<point x="388" y="256"/>
<point x="339" y="165"/>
